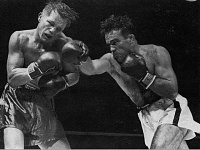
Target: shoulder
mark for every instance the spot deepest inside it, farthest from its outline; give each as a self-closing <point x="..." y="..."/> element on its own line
<point x="17" y="38"/>
<point x="162" y="54"/>
<point x="155" y="51"/>
<point x="63" y="37"/>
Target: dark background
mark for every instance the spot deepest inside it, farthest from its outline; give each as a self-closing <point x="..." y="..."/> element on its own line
<point x="96" y="103"/>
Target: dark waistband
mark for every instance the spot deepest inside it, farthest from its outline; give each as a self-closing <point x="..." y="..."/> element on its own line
<point x="144" y="106"/>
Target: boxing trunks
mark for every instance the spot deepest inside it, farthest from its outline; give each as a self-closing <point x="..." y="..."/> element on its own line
<point x="166" y="111"/>
<point x="32" y="113"/>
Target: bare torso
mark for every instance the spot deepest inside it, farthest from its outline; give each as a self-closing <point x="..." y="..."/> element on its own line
<point x="126" y="82"/>
<point x="32" y="49"/>
<point x="25" y="48"/>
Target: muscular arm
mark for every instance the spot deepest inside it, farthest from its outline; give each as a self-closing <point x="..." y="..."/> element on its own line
<point x="96" y="66"/>
<point x="107" y="64"/>
<point x="16" y="74"/>
<point x="165" y="83"/>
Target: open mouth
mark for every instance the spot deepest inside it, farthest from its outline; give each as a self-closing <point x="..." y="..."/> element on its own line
<point x="48" y="36"/>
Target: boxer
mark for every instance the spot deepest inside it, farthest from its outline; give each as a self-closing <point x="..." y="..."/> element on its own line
<point x="145" y="74"/>
<point x="34" y="67"/>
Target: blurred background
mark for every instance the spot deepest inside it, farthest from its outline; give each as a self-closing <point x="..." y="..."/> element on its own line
<point x="96" y="113"/>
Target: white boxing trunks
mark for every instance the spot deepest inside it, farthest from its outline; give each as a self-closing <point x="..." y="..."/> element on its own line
<point x="156" y="114"/>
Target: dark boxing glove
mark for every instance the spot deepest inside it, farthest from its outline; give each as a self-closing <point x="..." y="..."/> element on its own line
<point x="84" y="51"/>
<point x="134" y="65"/>
<point x="73" y="54"/>
<point x="48" y="63"/>
<point x="50" y="85"/>
<point x="75" y="49"/>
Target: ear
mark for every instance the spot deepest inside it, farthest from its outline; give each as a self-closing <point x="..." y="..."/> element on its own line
<point x="131" y="37"/>
<point x="39" y="16"/>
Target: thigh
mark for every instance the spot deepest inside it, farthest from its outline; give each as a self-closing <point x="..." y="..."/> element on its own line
<point x="13" y="138"/>
<point x="183" y="145"/>
<point x="167" y="136"/>
<point x="61" y="144"/>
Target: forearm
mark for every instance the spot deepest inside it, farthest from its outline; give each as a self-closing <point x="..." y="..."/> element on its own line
<point x="96" y="66"/>
<point x="87" y="67"/>
<point x="165" y="88"/>
<point x="73" y="78"/>
<point x="18" y="76"/>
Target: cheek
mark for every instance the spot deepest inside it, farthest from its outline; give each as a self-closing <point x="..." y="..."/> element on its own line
<point x="41" y="28"/>
<point x="121" y="51"/>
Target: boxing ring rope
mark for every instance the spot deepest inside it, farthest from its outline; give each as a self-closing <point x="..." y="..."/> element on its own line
<point x="110" y="134"/>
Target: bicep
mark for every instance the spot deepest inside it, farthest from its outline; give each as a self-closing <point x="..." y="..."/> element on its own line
<point x="163" y="67"/>
<point x="15" y="55"/>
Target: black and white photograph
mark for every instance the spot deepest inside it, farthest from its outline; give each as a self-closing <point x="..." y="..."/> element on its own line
<point x="100" y="74"/>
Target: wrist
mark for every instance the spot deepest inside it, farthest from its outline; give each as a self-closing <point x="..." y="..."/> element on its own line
<point x="148" y="80"/>
<point x="33" y="70"/>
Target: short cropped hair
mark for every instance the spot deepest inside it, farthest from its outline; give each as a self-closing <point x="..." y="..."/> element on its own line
<point x="64" y="10"/>
<point x="122" y="23"/>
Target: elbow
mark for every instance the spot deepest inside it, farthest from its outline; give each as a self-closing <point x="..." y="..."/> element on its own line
<point x="13" y="81"/>
<point x="173" y="93"/>
<point x="10" y="81"/>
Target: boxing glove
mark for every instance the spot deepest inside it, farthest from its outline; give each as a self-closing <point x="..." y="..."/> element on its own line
<point x="84" y="51"/>
<point x="134" y="65"/>
<point x="75" y="49"/>
<point x="52" y="84"/>
<point x="48" y="63"/>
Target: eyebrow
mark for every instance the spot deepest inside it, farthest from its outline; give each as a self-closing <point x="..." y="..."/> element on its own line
<point x="113" y="40"/>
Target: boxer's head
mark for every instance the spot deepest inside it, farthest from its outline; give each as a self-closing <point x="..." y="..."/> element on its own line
<point x="53" y="20"/>
<point x="117" y="32"/>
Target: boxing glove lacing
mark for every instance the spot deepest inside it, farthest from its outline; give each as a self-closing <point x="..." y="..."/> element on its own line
<point x="32" y="68"/>
<point x="148" y="80"/>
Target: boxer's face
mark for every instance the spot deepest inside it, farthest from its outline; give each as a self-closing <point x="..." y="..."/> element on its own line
<point x="50" y="26"/>
<point x="119" y="44"/>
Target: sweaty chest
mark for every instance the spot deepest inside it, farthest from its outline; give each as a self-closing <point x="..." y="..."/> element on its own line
<point x="32" y="54"/>
<point x="32" y="51"/>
